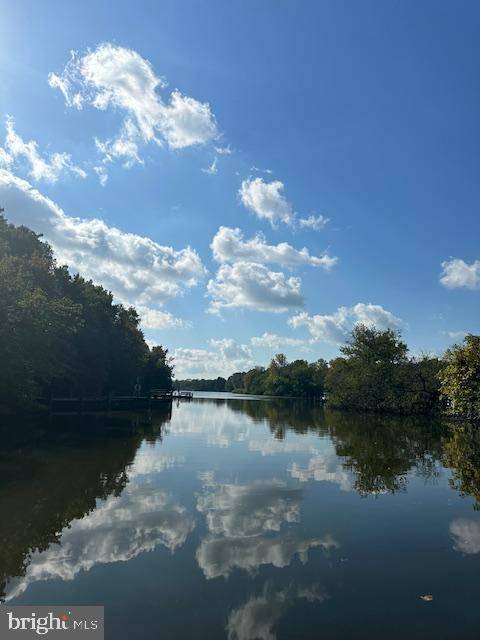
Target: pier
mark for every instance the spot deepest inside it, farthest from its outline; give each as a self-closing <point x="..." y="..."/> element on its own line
<point x="89" y="404"/>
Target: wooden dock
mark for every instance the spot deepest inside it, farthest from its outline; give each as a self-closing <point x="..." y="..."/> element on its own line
<point x="107" y="403"/>
<point x="157" y="398"/>
<point x="183" y="395"/>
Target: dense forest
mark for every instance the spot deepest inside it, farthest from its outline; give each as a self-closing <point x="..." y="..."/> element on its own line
<point x="64" y="335"/>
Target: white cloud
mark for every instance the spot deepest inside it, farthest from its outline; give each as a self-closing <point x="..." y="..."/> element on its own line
<point x="323" y="467"/>
<point x="39" y="168"/>
<point x="117" y="77"/>
<point x="124" y="146"/>
<point x="188" y="122"/>
<point x="5" y="159"/>
<point x="64" y="83"/>
<point x="102" y="174"/>
<point x="119" y="529"/>
<point x="335" y="328"/>
<point x="236" y="510"/>
<point x="374" y="315"/>
<point x="266" y="200"/>
<point x="324" y="328"/>
<point x="270" y="446"/>
<point x="227" y="358"/>
<point x="273" y="341"/>
<point x="231" y="350"/>
<point x="156" y="319"/>
<point x="219" y="556"/>
<point x="466" y="535"/>
<point x="252" y="285"/>
<point x="313" y="222"/>
<point x="457" y="273"/>
<point x="224" y="151"/>
<point x="220" y="428"/>
<point x="229" y="245"/>
<point x="258" y="617"/>
<point x="136" y="269"/>
<point x="148" y="462"/>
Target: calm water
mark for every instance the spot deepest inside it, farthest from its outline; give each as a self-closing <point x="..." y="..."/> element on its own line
<point x="243" y="519"/>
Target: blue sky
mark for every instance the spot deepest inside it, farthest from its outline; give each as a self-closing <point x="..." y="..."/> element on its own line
<point x="260" y="129"/>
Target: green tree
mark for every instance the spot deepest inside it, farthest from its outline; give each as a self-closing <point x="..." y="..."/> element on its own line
<point x="36" y="319"/>
<point x="61" y="334"/>
<point x="157" y="370"/>
<point x="367" y="378"/>
<point x="460" y="378"/>
<point x="235" y="382"/>
<point x="254" y="381"/>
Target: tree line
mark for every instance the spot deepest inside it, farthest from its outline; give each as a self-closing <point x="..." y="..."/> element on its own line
<point x="374" y="374"/>
<point x="63" y="335"/>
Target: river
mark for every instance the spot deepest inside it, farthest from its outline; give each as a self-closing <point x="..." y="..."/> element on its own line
<point x="245" y="518"/>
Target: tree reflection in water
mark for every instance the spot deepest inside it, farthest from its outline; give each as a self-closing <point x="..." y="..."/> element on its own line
<point x="52" y="473"/>
<point x="462" y="455"/>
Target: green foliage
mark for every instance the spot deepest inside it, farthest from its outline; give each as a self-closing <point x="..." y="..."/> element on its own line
<point x="63" y="335"/>
<point x="462" y="454"/>
<point x="377" y="376"/>
<point x="204" y="384"/>
<point x="158" y="369"/>
<point x="460" y="378"/>
<point x="282" y="378"/>
<point x="235" y="382"/>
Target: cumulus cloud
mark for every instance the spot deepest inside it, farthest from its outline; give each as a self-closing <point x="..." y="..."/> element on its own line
<point x="227" y="357"/>
<point x="156" y="319"/>
<point x="220" y="556"/>
<point x="273" y="341"/>
<point x="231" y="350"/>
<point x="374" y="315"/>
<point x="457" y="273"/>
<point x="258" y="617"/>
<point x="235" y="510"/>
<point x="119" y="529"/>
<point x="115" y="77"/>
<point x="324" y="328"/>
<point x="335" y="328"/>
<point x="252" y="285"/>
<point x="268" y="202"/>
<point x="466" y="535"/>
<point x="136" y="269"/>
<point x="39" y="168"/>
<point x="323" y="467"/>
<point x="229" y="245"/>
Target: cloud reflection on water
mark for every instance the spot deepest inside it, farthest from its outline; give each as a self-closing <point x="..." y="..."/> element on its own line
<point x="119" y="529"/>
